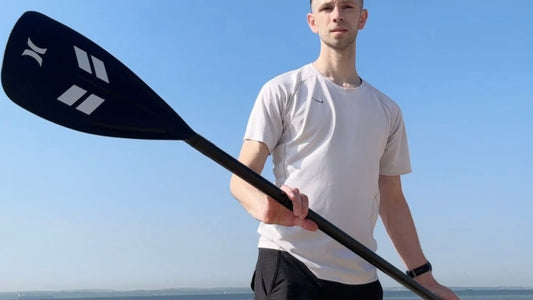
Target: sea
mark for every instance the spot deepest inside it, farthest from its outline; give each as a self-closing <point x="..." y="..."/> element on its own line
<point x="462" y="293"/>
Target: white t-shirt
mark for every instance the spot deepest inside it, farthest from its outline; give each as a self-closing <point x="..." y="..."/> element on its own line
<point x="332" y="143"/>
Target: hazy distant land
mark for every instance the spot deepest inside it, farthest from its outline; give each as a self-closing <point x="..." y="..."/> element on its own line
<point x="179" y="291"/>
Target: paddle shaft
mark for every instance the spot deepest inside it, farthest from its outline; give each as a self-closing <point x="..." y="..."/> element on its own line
<point x="234" y="166"/>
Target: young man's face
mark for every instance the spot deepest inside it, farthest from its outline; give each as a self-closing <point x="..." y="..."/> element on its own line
<point x="337" y="21"/>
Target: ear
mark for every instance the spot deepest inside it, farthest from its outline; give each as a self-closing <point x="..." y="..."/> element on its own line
<point x="362" y="18"/>
<point x="311" y="21"/>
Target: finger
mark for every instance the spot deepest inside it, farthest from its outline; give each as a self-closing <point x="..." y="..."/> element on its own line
<point x="304" y="202"/>
<point x="297" y="203"/>
<point x="306" y="224"/>
<point x="309" y="225"/>
<point x="294" y="196"/>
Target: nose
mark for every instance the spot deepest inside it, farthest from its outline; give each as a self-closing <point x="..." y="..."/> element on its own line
<point x="337" y="14"/>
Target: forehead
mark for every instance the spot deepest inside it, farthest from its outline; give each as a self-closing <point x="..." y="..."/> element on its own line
<point x="321" y="2"/>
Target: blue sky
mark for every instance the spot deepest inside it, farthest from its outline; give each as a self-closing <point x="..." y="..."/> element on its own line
<point x="80" y="211"/>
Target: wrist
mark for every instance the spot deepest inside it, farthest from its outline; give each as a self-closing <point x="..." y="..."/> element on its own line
<point x="425" y="268"/>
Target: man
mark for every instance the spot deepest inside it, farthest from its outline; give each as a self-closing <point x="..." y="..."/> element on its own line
<point x="338" y="147"/>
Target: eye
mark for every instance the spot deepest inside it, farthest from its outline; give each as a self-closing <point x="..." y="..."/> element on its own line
<point x="348" y="6"/>
<point x="326" y="8"/>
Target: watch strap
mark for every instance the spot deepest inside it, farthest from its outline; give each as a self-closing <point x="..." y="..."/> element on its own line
<point x="419" y="270"/>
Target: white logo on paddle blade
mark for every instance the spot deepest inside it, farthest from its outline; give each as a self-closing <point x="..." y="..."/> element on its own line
<point x="34" y="52"/>
<point x="75" y="93"/>
<point x="84" y="64"/>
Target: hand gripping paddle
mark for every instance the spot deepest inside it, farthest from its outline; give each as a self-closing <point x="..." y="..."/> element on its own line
<point x="60" y="75"/>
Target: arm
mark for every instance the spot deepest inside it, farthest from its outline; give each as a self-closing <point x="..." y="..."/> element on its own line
<point x="263" y="208"/>
<point x="397" y="219"/>
<point x="399" y="224"/>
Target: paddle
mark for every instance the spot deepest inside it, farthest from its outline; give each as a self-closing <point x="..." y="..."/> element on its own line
<point x="58" y="74"/>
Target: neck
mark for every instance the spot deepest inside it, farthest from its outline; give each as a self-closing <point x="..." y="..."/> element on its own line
<point x="338" y="66"/>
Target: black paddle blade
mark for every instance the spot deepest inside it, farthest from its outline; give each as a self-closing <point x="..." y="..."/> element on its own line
<point x="60" y="75"/>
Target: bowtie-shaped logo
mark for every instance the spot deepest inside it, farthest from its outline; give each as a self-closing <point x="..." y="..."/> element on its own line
<point x="34" y="52"/>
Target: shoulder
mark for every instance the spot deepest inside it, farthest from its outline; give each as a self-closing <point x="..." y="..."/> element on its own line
<point x="290" y="81"/>
<point x="384" y="100"/>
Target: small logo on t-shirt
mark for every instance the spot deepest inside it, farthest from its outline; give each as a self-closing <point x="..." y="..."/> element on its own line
<point x="318" y="100"/>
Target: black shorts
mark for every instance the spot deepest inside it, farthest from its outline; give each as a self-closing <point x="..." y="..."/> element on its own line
<point x="278" y="275"/>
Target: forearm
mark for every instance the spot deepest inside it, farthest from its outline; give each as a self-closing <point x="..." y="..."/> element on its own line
<point x="396" y="216"/>
<point x="260" y="206"/>
<point x="253" y="155"/>
<point x="248" y="196"/>
<point x="399" y="224"/>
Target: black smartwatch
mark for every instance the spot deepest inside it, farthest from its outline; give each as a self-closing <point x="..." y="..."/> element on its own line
<point x="419" y="271"/>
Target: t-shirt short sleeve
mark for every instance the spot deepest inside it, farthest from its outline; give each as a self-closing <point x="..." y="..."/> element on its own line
<point x="395" y="159"/>
<point x="266" y="119"/>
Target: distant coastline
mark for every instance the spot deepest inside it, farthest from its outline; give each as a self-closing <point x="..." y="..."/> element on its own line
<point x="100" y="293"/>
<point x="188" y="291"/>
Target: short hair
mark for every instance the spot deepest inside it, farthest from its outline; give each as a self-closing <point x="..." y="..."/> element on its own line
<point x="361" y="3"/>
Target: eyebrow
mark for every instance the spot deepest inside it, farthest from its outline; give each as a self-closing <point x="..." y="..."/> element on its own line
<point x="337" y="1"/>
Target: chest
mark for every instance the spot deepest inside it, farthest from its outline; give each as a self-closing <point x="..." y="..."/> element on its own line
<point x="345" y="120"/>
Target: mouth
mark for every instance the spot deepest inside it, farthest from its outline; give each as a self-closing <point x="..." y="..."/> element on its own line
<point x="338" y="30"/>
